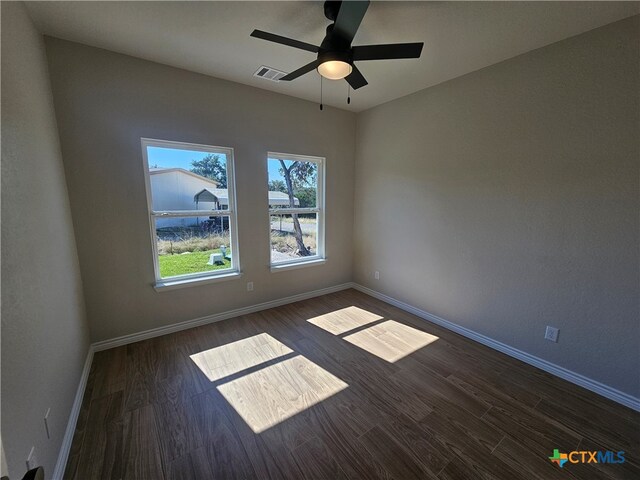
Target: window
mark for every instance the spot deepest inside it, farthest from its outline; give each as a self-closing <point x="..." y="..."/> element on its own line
<point x="296" y="210"/>
<point x="190" y="193"/>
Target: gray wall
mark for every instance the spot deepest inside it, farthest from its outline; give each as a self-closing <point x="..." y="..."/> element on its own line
<point x="105" y="102"/>
<point x="44" y="333"/>
<point x="507" y="200"/>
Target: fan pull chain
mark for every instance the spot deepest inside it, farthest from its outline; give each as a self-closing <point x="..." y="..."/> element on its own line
<point x="320" y="92"/>
<point x="348" y="94"/>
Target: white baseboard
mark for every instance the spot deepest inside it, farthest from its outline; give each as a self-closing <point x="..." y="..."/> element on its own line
<point x="573" y="377"/>
<point x="67" y="440"/>
<point x="576" y="378"/>
<point x="176" y="327"/>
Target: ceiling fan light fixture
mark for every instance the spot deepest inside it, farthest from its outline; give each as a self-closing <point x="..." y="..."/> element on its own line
<point x="334" y="69"/>
<point x="336" y="56"/>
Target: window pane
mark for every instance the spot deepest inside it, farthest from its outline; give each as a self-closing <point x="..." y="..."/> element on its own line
<point x="288" y="242"/>
<point x="190" y="245"/>
<point x="303" y="178"/>
<point x="187" y="179"/>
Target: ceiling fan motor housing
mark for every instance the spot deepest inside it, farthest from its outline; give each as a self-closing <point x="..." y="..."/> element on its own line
<point x="332" y="55"/>
<point x="334" y="47"/>
<point x="333" y="41"/>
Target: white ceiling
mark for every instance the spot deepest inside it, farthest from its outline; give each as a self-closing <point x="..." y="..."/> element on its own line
<point x="213" y="37"/>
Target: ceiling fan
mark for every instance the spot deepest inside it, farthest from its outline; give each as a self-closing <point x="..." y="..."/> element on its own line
<point x="336" y="56"/>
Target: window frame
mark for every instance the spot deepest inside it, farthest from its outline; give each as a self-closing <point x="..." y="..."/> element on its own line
<point x="320" y="257"/>
<point x="179" y="281"/>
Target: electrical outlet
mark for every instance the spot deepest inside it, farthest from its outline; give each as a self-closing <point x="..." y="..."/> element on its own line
<point x="46" y="423"/>
<point x="32" y="461"/>
<point x="249" y="286"/>
<point x="551" y="334"/>
<point x="376" y="275"/>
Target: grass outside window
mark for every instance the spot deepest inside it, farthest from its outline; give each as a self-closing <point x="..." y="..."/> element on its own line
<point x="172" y="265"/>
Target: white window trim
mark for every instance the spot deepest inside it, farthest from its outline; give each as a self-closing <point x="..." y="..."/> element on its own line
<point x="319" y="258"/>
<point x="200" y="278"/>
<point x="173" y="283"/>
<point x="293" y="265"/>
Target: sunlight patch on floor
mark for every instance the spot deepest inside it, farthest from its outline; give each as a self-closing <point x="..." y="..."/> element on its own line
<point x="272" y="394"/>
<point x="391" y="340"/>
<point x="343" y="320"/>
<point x="231" y="358"/>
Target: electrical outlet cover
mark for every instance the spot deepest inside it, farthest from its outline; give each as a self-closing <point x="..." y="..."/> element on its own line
<point x="551" y="333"/>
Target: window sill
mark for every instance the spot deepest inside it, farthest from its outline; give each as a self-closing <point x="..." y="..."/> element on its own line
<point x="295" y="265"/>
<point x="194" y="282"/>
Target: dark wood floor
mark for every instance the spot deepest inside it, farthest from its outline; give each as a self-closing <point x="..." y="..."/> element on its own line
<point x="340" y="386"/>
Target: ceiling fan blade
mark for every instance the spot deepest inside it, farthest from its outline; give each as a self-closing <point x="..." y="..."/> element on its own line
<point x="290" y="42"/>
<point x="387" y="52"/>
<point x="355" y="79"/>
<point x="301" y="71"/>
<point x="348" y="20"/>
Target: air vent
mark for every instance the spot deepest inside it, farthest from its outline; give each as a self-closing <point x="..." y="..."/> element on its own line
<point x="269" y="73"/>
